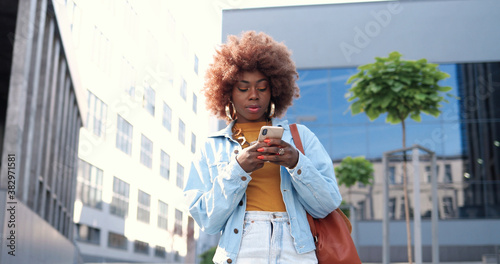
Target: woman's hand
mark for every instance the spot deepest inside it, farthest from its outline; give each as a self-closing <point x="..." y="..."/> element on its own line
<point x="270" y="150"/>
<point x="279" y="152"/>
<point x="248" y="157"/>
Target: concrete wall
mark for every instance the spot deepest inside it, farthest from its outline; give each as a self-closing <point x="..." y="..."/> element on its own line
<point x="29" y="238"/>
<point x="348" y="35"/>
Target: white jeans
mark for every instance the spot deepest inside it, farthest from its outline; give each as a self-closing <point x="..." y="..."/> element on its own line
<point x="267" y="240"/>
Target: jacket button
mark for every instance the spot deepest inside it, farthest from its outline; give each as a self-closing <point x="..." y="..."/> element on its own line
<point x="229" y="261"/>
<point x="243" y="178"/>
<point x="299" y="171"/>
<point x="236" y="230"/>
<point x="236" y="151"/>
<point x="241" y="203"/>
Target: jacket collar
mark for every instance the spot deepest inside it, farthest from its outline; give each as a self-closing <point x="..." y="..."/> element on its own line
<point x="227" y="131"/>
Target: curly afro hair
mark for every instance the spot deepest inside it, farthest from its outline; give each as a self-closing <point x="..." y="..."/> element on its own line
<point x="251" y="52"/>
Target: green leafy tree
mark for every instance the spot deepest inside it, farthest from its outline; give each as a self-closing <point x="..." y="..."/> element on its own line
<point x="207" y="256"/>
<point x="353" y="170"/>
<point x="398" y="88"/>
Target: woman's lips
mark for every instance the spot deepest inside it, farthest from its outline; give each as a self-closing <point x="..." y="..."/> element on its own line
<point x="253" y="108"/>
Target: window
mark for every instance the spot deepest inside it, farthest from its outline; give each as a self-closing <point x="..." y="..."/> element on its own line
<point x="96" y="115"/>
<point x="361" y="210"/>
<point x="101" y="50"/>
<point x="87" y="234"/>
<point x="74" y="17"/>
<point x="180" y="176"/>
<point x="448" y="208"/>
<point x="403" y="213"/>
<point x="141" y="247"/>
<point x="165" y="165"/>
<point x="447" y="173"/>
<point x="392" y="208"/>
<point x="124" y="135"/>
<point x="146" y="152"/>
<point x="193" y="142"/>
<point x="437" y="171"/>
<point x="169" y="73"/>
<point x="128" y="77"/>
<point x="119" y="203"/>
<point x="195" y="103"/>
<point x="149" y="100"/>
<point x="160" y="252"/>
<point x="130" y="19"/>
<point x="89" y="188"/>
<point x="178" y="223"/>
<point x="167" y="117"/>
<point x="392" y="175"/>
<point x="162" y="215"/>
<point x="428" y="173"/>
<point x="117" y="241"/>
<point x="182" y="132"/>
<point x="183" y="89"/>
<point x="144" y="201"/>
<point x="196" y="64"/>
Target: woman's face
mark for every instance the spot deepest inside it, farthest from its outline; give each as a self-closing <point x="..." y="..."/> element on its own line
<point x="251" y="96"/>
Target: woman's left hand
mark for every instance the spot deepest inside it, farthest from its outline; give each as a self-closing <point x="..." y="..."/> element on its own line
<point x="279" y="152"/>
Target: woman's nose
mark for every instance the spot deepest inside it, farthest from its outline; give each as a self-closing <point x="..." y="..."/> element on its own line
<point x="254" y="94"/>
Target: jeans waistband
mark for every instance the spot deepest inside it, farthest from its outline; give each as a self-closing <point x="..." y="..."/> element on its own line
<point x="265" y="216"/>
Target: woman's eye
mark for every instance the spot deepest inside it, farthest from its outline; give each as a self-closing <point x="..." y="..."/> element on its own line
<point x="262" y="88"/>
<point x="243" y="89"/>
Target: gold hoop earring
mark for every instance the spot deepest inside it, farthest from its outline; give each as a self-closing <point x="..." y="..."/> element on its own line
<point x="228" y="112"/>
<point x="271" y="111"/>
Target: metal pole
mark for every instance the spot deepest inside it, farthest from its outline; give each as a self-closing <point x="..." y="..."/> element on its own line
<point x="434" y="215"/>
<point x="385" y="210"/>
<point x="416" y="207"/>
<point x="354" y="222"/>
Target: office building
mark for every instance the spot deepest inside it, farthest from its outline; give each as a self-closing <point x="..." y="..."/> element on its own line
<point x="41" y="110"/>
<point x="145" y="117"/>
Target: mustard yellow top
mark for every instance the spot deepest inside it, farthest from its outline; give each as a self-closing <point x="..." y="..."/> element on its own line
<point x="263" y="191"/>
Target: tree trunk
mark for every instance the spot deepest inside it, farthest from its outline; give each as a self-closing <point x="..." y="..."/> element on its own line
<point x="405" y="193"/>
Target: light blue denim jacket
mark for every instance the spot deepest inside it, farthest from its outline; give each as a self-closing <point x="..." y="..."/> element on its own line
<point x="215" y="190"/>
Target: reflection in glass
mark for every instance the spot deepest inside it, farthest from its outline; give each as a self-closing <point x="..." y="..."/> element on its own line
<point x="465" y="138"/>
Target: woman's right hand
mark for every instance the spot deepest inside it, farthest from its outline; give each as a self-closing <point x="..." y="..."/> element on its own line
<point x="249" y="157"/>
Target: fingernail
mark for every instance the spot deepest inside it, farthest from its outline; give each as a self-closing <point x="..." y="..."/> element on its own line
<point x="267" y="140"/>
<point x="260" y="157"/>
<point x="260" y="149"/>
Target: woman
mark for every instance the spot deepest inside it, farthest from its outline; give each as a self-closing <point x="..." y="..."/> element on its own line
<point x="256" y="194"/>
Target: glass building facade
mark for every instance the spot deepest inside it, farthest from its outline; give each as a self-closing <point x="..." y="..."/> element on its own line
<point x="465" y="138"/>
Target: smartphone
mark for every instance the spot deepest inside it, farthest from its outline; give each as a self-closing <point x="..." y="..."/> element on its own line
<point x="270" y="132"/>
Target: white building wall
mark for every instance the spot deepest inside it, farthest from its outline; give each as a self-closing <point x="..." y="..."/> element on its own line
<point x="123" y="43"/>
